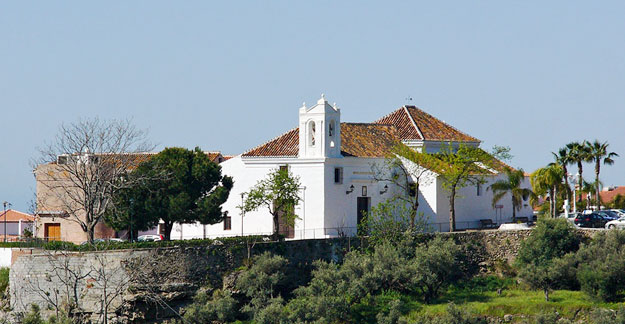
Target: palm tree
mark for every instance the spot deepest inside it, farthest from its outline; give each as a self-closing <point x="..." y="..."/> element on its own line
<point x="599" y="152"/>
<point x="578" y="154"/>
<point x="563" y="159"/>
<point x="548" y="180"/>
<point x="512" y="185"/>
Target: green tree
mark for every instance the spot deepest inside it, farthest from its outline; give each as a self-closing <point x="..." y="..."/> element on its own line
<point x="563" y="159"/>
<point x="548" y="180"/>
<point x="539" y="255"/>
<point x="602" y="264"/>
<point x="465" y="166"/>
<point x="279" y="193"/>
<point x="129" y="210"/>
<point x="511" y="184"/>
<point x="598" y="153"/>
<point x="436" y="265"/>
<point x="180" y="186"/>
<point x="579" y="154"/>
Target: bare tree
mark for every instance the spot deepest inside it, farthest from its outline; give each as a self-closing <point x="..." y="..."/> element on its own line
<point x="407" y="170"/>
<point x="79" y="171"/>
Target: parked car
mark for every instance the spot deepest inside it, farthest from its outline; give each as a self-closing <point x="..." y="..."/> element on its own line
<point x="619" y="223"/>
<point x="608" y="214"/>
<point x="150" y="238"/>
<point x="620" y="212"/>
<point x="593" y="220"/>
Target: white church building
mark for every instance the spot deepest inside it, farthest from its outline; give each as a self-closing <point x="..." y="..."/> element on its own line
<point x="334" y="161"/>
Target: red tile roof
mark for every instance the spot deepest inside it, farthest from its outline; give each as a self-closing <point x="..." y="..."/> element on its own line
<point x="16" y="216"/>
<point x="357" y="139"/>
<point x="415" y="124"/>
<point x="367" y="140"/>
<point x="609" y="195"/>
<point x="286" y="144"/>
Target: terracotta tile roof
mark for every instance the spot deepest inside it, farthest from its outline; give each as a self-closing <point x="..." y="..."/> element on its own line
<point x="415" y="124"/>
<point x="357" y="139"/>
<point x="609" y="195"/>
<point x="406" y="128"/>
<point x="16" y="216"/>
<point x="286" y="144"/>
<point x="367" y="140"/>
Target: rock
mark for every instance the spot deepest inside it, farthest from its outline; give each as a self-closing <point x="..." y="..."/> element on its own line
<point x="507" y="318"/>
<point x="229" y="281"/>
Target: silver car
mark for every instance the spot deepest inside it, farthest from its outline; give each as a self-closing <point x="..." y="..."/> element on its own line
<point x="617" y="223"/>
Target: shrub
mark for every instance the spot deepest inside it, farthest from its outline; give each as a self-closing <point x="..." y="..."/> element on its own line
<point x="220" y="307"/>
<point x="33" y="316"/>
<point x="435" y="266"/>
<point x="551" y="238"/>
<point x="262" y="281"/>
<point x="606" y="316"/>
<point x="540" y="259"/>
<point x="453" y="315"/>
<point x="602" y="264"/>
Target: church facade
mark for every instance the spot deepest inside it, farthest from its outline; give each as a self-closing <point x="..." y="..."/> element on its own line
<point x="336" y="162"/>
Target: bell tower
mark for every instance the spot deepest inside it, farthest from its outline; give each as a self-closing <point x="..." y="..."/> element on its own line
<point x="320" y="130"/>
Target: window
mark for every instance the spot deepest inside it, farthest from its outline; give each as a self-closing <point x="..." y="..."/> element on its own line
<point x="284" y="168"/>
<point x="331" y="128"/>
<point x="338" y="175"/>
<point x="227" y="223"/>
<point x="311" y="133"/>
<point x="479" y="189"/>
<point x="364" y="191"/>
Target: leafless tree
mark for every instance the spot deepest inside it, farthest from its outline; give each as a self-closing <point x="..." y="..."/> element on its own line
<point x="81" y="169"/>
<point x="406" y="170"/>
<point x="79" y="284"/>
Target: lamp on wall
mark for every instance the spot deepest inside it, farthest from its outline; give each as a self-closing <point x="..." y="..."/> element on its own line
<point x="351" y="189"/>
<point x="384" y="190"/>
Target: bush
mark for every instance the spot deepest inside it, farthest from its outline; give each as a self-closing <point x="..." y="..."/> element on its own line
<point x="550" y="239"/>
<point x="435" y="266"/>
<point x="607" y="316"/>
<point x="541" y="259"/>
<point x="602" y="264"/>
<point x="220" y="307"/>
<point x="453" y="315"/>
<point x="33" y="316"/>
<point x="263" y="281"/>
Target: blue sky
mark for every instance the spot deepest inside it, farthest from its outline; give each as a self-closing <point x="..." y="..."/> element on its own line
<point x="532" y="75"/>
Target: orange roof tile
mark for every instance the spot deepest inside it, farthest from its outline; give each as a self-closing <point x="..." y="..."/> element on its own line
<point x="357" y="139"/>
<point x="415" y="124"/>
<point x="609" y="195"/>
<point x="16" y="216"/>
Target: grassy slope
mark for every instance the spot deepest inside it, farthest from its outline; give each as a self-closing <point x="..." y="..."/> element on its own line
<point x="514" y="301"/>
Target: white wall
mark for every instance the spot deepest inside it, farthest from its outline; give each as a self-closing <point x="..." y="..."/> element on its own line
<point x="470" y="207"/>
<point x="5" y="257"/>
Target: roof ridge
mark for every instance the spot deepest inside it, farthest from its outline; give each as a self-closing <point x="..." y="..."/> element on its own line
<point x="269" y="141"/>
<point x="449" y="125"/>
<point x="413" y="122"/>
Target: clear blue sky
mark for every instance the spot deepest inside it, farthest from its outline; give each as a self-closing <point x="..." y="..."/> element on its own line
<point x="532" y="75"/>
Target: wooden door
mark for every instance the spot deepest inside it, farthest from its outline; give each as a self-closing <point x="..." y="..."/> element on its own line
<point x="52" y="232"/>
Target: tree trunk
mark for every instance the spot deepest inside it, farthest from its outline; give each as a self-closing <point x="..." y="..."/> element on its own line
<point x="513" y="212"/>
<point x="452" y="210"/>
<point x="566" y="182"/>
<point x="167" y="233"/>
<point x="597" y="170"/>
<point x="580" y="180"/>
<point x="415" y="207"/>
<point x="276" y="226"/>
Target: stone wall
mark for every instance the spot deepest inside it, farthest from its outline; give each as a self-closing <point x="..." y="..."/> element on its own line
<point x="139" y="283"/>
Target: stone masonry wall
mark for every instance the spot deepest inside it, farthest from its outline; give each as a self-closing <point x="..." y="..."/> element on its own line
<point x="138" y="283"/>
